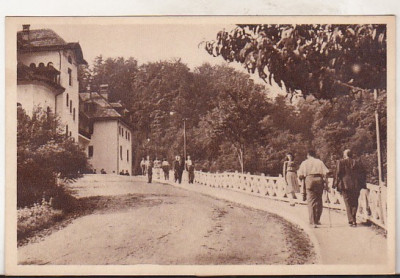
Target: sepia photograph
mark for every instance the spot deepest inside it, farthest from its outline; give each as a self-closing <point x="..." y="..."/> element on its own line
<point x="200" y="145"/>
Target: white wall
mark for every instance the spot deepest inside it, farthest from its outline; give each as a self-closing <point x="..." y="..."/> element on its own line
<point x="105" y="146"/>
<point x="60" y="62"/>
<point x="35" y="95"/>
<point x="126" y="144"/>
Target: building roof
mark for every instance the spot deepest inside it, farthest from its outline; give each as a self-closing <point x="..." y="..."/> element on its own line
<point x="104" y="109"/>
<point x="116" y="104"/>
<point x="47" y="75"/>
<point x="46" y="39"/>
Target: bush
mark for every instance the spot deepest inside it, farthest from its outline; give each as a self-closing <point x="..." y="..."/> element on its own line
<point x="36" y="217"/>
<point x="45" y="156"/>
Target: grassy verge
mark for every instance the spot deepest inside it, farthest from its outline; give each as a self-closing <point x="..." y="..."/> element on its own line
<point x="37" y="217"/>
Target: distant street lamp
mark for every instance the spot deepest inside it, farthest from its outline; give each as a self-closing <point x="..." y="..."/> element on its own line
<point x="184" y="134"/>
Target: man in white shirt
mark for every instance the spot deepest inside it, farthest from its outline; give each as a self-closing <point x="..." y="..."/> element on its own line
<point x="147" y="164"/>
<point x="190" y="169"/>
<point x="143" y="166"/>
<point x="314" y="172"/>
<point x="165" y="167"/>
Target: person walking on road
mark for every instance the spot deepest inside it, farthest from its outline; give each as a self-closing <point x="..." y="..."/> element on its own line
<point x="165" y="167"/>
<point x="179" y="165"/>
<point x="313" y="171"/>
<point x="143" y="166"/>
<point x="146" y="165"/>
<point x="350" y="178"/>
<point x="149" y="171"/>
<point x="190" y="169"/>
<point x="290" y="176"/>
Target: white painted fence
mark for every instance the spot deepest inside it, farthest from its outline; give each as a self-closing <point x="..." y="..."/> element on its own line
<point x="372" y="201"/>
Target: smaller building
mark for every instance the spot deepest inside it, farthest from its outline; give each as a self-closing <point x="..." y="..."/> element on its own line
<point x="104" y="132"/>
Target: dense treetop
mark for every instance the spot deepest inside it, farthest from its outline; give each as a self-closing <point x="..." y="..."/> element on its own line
<point x="230" y="121"/>
<point x="323" y="60"/>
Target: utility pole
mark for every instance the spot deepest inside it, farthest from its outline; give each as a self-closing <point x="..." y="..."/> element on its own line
<point x="184" y="138"/>
<point x="378" y="138"/>
<point x="378" y="145"/>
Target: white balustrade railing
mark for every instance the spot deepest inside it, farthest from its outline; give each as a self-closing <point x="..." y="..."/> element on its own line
<point x="372" y="201"/>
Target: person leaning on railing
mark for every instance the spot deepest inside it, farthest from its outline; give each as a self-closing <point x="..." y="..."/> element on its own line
<point x="313" y="172"/>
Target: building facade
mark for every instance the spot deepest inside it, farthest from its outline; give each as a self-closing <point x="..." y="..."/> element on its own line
<point x="104" y="132"/>
<point x="48" y="75"/>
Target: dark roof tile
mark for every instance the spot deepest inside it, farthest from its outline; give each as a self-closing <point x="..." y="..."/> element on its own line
<point x="46" y="39"/>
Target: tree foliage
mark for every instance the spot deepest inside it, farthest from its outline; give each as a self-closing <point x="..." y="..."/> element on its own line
<point x="231" y="123"/>
<point x="323" y="60"/>
<point x="44" y="154"/>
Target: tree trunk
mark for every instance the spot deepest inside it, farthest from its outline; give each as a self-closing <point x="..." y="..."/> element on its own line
<point x="240" y="152"/>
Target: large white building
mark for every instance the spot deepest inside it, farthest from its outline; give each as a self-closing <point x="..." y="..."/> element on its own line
<point x="47" y="77"/>
<point x="105" y="132"/>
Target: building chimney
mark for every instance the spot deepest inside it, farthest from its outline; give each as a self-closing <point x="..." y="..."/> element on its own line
<point x="25" y="32"/>
<point x="26" y="27"/>
<point x="104" y="91"/>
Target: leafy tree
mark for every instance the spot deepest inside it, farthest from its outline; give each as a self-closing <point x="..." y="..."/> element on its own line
<point x="240" y="105"/>
<point x="44" y="155"/>
<point x="323" y="60"/>
<point x="231" y="123"/>
<point x="118" y="73"/>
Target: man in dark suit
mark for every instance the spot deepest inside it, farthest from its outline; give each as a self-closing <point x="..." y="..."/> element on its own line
<point x="149" y="171"/>
<point x="350" y="178"/>
<point x="179" y="166"/>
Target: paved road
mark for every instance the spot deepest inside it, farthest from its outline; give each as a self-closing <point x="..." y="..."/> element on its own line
<point x="335" y="244"/>
<point x="140" y="223"/>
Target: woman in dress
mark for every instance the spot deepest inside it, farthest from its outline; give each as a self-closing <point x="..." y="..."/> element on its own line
<point x="290" y="176"/>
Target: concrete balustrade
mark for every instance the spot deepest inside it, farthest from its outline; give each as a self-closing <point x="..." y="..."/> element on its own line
<point x="372" y="201"/>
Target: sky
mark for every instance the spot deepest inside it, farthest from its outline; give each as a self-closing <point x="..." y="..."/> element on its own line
<point x="147" y="42"/>
<point x="144" y="42"/>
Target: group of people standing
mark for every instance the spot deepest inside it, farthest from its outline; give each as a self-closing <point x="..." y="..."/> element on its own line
<point x="179" y="166"/>
<point x="349" y="179"/>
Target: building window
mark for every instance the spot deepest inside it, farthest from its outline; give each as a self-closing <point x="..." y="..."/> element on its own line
<point x="70" y="106"/>
<point x="69" y="59"/>
<point x="127" y="155"/>
<point x="41" y="65"/>
<point x="73" y="115"/>
<point x="90" y="151"/>
<point x="48" y="111"/>
<point x="120" y="152"/>
<point x="70" y="77"/>
<point x="122" y="132"/>
<point x="66" y="130"/>
<point x="32" y="66"/>
<point x="67" y="99"/>
<point x="119" y="130"/>
<point x="70" y="134"/>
